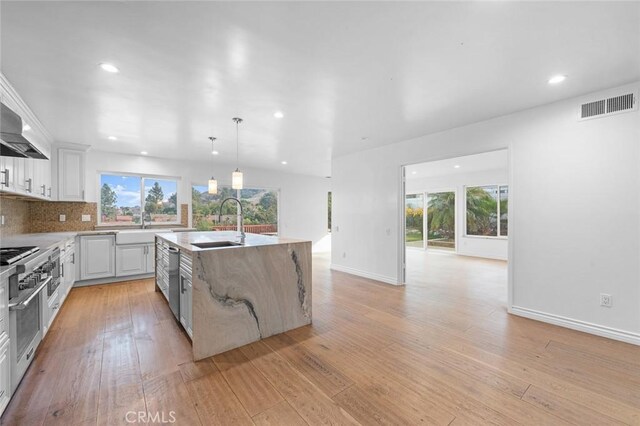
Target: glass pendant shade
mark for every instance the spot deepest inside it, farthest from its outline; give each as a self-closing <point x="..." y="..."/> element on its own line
<point x="236" y="179"/>
<point x="213" y="186"/>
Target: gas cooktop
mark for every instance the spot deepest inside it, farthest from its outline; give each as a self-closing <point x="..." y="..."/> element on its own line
<point x="10" y="255"/>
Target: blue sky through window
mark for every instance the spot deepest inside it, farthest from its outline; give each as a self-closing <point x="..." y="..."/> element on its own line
<point x="127" y="189"/>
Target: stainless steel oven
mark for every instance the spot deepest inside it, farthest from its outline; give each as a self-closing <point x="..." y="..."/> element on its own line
<point x="26" y="296"/>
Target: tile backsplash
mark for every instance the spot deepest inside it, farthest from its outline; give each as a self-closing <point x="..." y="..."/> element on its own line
<point x="25" y="216"/>
<point x="44" y="216"/>
<point x="16" y="216"/>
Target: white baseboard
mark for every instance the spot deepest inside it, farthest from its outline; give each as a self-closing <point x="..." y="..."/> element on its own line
<point x="598" y="330"/>
<point x="364" y="274"/>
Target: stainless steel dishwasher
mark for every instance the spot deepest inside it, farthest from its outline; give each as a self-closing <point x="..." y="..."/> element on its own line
<point x="174" y="281"/>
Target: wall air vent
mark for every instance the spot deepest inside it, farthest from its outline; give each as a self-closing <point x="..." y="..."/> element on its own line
<point x="609" y="106"/>
<point x="593" y="108"/>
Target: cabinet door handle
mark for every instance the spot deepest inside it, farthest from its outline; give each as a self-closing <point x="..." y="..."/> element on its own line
<point x="49" y="192"/>
<point x="29" y="183"/>
<point x="73" y="258"/>
<point x="5" y="181"/>
<point x="62" y="270"/>
<point x="181" y="284"/>
<point x="44" y="190"/>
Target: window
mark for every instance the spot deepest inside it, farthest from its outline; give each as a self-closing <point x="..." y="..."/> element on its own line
<point x="125" y="198"/>
<point x="487" y="210"/>
<point x="260" y="208"/>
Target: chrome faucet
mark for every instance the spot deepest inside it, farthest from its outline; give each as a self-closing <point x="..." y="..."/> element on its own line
<point x="242" y="234"/>
<point x="144" y="217"/>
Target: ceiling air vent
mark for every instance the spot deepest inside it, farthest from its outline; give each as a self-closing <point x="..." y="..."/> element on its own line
<point x="609" y="106"/>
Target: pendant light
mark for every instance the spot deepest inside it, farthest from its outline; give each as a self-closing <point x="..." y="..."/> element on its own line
<point x="213" y="183"/>
<point x="236" y="177"/>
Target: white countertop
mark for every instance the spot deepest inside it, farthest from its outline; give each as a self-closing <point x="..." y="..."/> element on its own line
<point x="48" y="240"/>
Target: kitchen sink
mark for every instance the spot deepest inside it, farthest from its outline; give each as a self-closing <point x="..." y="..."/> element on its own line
<point x="138" y="236"/>
<point x="216" y="244"/>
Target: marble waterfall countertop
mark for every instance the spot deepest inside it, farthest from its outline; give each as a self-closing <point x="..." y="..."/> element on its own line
<point x="242" y="294"/>
<point x="187" y="240"/>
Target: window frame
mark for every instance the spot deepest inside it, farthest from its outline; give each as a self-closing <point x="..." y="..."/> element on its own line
<point x="490" y="237"/>
<point x="221" y="184"/>
<point x="142" y="177"/>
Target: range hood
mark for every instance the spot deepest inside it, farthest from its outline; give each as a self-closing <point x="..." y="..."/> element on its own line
<point x="12" y="143"/>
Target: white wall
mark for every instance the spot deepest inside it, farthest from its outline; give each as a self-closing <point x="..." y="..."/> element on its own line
<point x="489" y="247"/>
<point x="302" y="199"/>
<point x="574" y="210"/>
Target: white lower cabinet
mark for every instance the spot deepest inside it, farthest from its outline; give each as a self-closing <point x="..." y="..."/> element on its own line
<point x="186" y="303"/>
<point x="186" y="293"/>
<point x="51" y="307"/>
<point x="134" y="259"/>
<point x="5" y="372"/>
<point x="68" y="271"/>
<point x="5" y="365"/>
<point x="131" y="260"/>
<point x="151" y="258"/>
<point x="98" y="256"/>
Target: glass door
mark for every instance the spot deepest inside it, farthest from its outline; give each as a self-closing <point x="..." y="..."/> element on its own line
<point x="414" y="220"/>
<point x="441" y="220"/>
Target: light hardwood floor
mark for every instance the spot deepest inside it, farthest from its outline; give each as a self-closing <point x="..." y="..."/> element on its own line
<point x="440" y="351"/>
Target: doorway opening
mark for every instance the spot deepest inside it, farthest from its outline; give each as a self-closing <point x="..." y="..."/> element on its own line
<point x="456" y="215"/>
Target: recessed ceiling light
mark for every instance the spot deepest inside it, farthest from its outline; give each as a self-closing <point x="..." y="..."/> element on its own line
<point x="557" y="79"/>
<point x="112" y="138"/>
<point x="215" y="152"/>
<point x="457" y="166"/>
<point x="283" y="162"/>
<point x="26" y="127"/>
<point x="109" y="68"/>
<point x="413" y="172"/>
<point x="278" y="114"/>
<point x="144" y="152"/>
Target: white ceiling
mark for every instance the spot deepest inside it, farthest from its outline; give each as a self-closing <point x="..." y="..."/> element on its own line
<point x="388" y="71"/>
<point x="494" y="160"/>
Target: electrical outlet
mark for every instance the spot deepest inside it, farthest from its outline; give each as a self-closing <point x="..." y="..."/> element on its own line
<point x="63" y="218"/>
<point x="86" y="218"/>
<point x="605" y="300"/>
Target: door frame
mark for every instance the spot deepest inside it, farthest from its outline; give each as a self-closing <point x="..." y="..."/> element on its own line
<point x="402" y="251"/>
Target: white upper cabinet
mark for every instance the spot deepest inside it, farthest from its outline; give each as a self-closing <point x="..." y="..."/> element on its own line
<point x="41" y="178"/>
<point x="7" y="174"/>
<point x="71" y="170"/>
<point x="22" y="178"/>
<point x="26" y="176"/>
